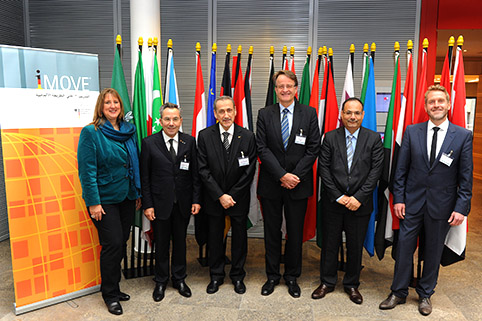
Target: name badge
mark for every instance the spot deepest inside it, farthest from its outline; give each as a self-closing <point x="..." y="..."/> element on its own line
<point x="184" y="166"/>
<point x="300" y="139"/>
<point x="243" y="161"/>
<point x="447" y="158"/>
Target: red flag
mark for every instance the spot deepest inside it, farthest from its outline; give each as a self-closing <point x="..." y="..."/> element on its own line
<point x="445" y="78"/>
<point x="331" y="104"/>
<point x="420" y="114"/>
<point x="407" y="103"/>
<point x="199" y="116"/>
<point x="234" y="75"/>
<point x="315" y="88"/>
<point x="321" y="108"/>
<point x="238" y="96"/>
<point x="458" y="91"/>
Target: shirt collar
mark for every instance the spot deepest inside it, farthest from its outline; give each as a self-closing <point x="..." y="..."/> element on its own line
<point x="443" y="126"/>
<point x="290" y="107"/>
<point x="355" y="134"/>
<point x="166" y="138"/>
<point x="230" y="129"/>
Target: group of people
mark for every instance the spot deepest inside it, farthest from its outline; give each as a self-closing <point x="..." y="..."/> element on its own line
<point x="176" y="177"/>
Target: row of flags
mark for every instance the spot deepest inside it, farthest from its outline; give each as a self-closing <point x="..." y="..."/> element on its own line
<point x="402" y="111"/>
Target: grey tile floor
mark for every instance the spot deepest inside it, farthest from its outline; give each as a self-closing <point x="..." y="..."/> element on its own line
<point x="458" y="295"/>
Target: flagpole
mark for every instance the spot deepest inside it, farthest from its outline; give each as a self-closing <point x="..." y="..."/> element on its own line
<point x="270" y="94"/>
<point x="352" y="57"/>
<point x="292" y="59"/>
<point x="118" y="41"/>
<point x="450" y="53"/>
<point x="285" y="51"/>
<point x="373" y="48"/>
<point x="330" y="55"/>
<point x="320" y="53"/>
<point x="169" y="49"/>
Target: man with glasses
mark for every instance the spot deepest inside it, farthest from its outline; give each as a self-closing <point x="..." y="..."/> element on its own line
<point x="288" y="140"/>
<point x="350" y="164"/>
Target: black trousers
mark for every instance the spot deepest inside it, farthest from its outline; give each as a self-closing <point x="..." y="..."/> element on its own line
<point x="434" y="238"/>
<point x="294" y="211"/>
<point x="239" y="247"/>
<point x="113" y="230"/>
<point x="175" y="228"/>
<point x="355" y="227"/>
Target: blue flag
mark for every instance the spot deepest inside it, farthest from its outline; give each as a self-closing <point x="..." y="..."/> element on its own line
<point x="210" y="119"/>
<point x="370" y="122"/>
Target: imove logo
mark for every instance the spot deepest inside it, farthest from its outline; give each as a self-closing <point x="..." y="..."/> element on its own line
<point x="63" y="82"/>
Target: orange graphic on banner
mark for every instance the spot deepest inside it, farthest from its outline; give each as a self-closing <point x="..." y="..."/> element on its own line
<point x="54" y="244"/>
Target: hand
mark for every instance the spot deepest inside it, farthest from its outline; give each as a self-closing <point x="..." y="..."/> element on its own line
<point x="149" y="213"/>
<point x="96" y="212"/>
<point x="353" y="204"/>
<point x="456" y="219"/>
<point x="195" y="208"/>
<point x="226" y="201"/>
<point x="343" y="200"/>
<point x="138" y="204"/>
<point x="399" y="210"/>
<point x="289" y="181"/>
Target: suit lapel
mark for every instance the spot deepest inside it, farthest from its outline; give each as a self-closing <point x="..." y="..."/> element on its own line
<point x="341" y="141"/>
<point x="218" y="145"/>
<point x="276" y="123"/>
<point x="181" y="148"/>
<point x="295" y="128"/>
<point x="234" y="148"/>
<point x="422" y="138"/>
<point x="161" y="144"/>
<point x="361" y="141"/>
<point x="449" y="137"/>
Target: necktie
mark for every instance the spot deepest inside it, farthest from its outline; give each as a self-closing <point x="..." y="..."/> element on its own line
<point x="433" y="150"/>
<point x="349" y="150"/>
<point x="285" y="135"/>
<point x="225" y="140"/>
<point x="171" y="150"/>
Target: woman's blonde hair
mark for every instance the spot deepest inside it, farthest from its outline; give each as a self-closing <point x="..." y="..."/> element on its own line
<point x="99" y="118"/>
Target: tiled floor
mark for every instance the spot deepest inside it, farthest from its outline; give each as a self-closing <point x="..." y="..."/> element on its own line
<point x="457" y="296"/>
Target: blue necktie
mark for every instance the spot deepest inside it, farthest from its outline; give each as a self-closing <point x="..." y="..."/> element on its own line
<point x="349" y="150"/>
<point x="285" y="132"/>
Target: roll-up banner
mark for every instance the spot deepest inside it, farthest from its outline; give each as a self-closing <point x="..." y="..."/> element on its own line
<point x="46" y="97"/>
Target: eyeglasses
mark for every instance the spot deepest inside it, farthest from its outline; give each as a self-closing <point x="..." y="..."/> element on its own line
<point x="285" y="86"/>
<point x="356" y="113"/>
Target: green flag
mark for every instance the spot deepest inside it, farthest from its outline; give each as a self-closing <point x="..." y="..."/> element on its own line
<point x="118" y="82"/>
<point x="305" y="91"/>
<point x="366" y="68"/>
<point x="156" y="98"/>
<point x="139" y="102"/>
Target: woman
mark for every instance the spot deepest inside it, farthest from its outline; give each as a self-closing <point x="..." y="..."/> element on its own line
<point x="109" y="174"/>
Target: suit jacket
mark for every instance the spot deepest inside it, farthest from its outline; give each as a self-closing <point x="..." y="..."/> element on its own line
<point x="296" y="159"/>
<point x="103" y="168"/>
<point x="219" y="177"/>
<point x="442" y="188"/>
<point x="161" y="177"/>
<point x="366" y="169"/>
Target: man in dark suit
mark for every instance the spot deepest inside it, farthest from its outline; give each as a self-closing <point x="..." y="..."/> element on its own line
<point x="227" y="161"/>
<point x="350" y="164"/>
<point x="288" y="140"/>
<point x="171" y="192"/>
<point x="432" y="191"/>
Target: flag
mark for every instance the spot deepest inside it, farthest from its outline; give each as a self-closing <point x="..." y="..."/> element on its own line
<point x="247" y="90"/>
<point x="455" y="242"/>
<point x="331" y="104"/>
<point x="445" y="78"/>
<point x="285" y="65"/>
<point x="239" y="98"/>
<point x="305" y="81"/>
<point x="148" y="81"/>
<point x="156" y="97"/>
<point x="139" y="101"/>
<point x="234" y="76"/>
<point x="419" y="114"/>
<point x="370" y="122"/>
<point x="171" y="94"/>
<point x="324" y="86"/>
<point x="210" y="119"/>
<point x="365" y="68"/>
<point x="348" y="87"/>
<point x="382" y="240"/>
<point x="199" y="114"/>
<point x="226" y="82"/>
<point x="407" y="99"/>
<point x="118" y="82"/>
<point x="271" y="94"/>
<point x="315" y="88"/>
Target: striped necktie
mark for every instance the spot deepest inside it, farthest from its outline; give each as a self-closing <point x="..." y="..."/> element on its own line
<point x="349" y="150"/>
<point x="285" y="135"/>
<point x="226" y="140"/>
